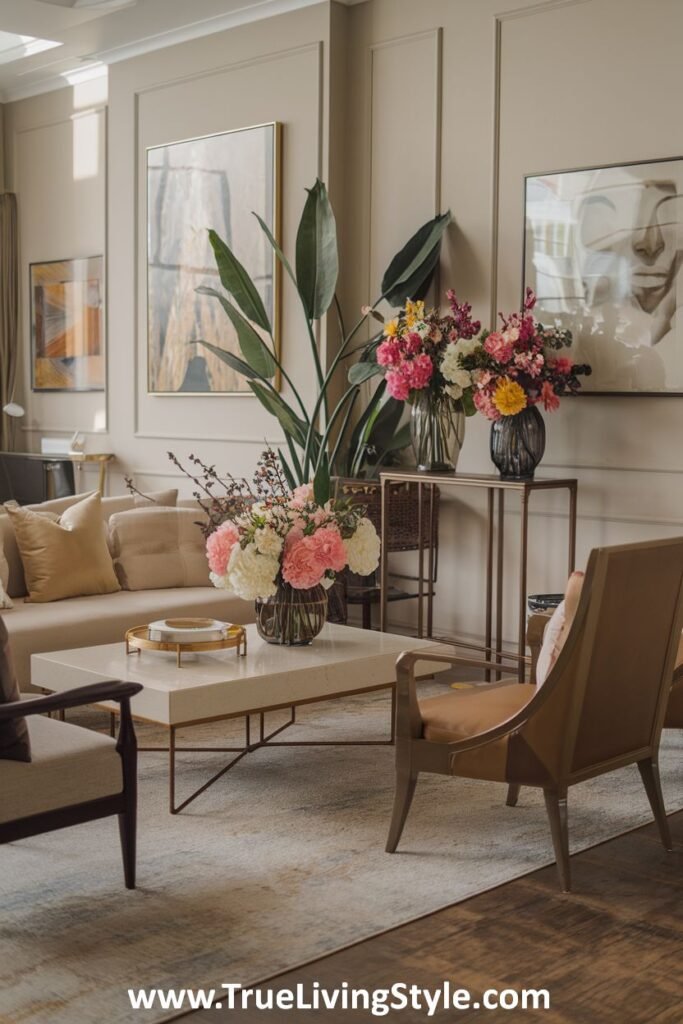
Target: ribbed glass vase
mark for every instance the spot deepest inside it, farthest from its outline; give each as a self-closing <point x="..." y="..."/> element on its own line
<point x="291" y="617"/>
<point x="437" y="430"/>
<point x="518" y="444"/>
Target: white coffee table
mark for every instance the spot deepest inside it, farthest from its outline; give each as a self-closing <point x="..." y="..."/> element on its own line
<point x="340" y="662"/>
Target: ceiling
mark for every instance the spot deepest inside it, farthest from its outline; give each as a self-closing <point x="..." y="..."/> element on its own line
<point x="100" y="32"/>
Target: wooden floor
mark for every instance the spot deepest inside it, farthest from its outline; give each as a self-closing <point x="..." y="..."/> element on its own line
<point x="611" y="951"/>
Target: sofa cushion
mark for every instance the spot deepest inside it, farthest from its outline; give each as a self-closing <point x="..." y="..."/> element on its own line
<point x="14" y="741"/>
<point x="70" y="765"/>
<point x="104" y="619"/>
<point x="16" y="583"/>
<point x="68" y="558"/>
<point x="5" y="599"/>
<point x="157" y="548"/>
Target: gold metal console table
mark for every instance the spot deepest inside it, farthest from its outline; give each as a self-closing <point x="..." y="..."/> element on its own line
<point x="496" y="488"/>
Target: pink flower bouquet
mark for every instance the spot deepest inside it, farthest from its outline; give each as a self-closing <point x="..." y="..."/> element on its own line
<point x="277" y="536"/>
<point x="419" y="350"/>
<point x="520" y="365"/>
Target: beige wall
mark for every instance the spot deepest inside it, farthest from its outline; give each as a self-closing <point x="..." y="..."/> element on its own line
<point x="406" y="108"/>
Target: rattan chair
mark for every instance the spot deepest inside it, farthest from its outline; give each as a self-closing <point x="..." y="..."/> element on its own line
<point x="601" y="708"/>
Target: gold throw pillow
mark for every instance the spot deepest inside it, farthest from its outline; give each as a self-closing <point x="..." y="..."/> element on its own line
<point x="68" y="558"/>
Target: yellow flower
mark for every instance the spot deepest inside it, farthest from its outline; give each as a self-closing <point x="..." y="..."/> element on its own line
<point x="509" y="398"/>
<point x="415" y="311"/>
<point x="391" y="328"/>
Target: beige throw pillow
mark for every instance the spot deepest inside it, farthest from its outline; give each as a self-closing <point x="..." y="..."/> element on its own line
<point x="5" y="599"/>
<point x="158" y="548"/>
<point x="558" y="628"/>
<point x="68" y="558"/>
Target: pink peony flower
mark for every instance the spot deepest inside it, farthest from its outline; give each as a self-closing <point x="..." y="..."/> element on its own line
<point x="389" y="353"/>
<point x="529" y="362"/>
<point x="397" y="385"/>
<point x="548" y="397"/>
<point x="293" y="537"/>
<point x="412" y="343"/>
<point x="301" y="495"/>
<point x="418" y="371"/>
<point x="329" y="547"/>
<point x="219" y="547"/>
<point x="499" y="347"/>
<point x="484" y="403"/>
<point x="302" y="567"/>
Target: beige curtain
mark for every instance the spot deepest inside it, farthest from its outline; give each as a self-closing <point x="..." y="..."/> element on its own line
<point x="9" y="303"/>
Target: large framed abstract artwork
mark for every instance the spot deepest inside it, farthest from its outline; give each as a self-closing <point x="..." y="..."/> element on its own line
<point x="220" y="182"/>
<point x="67" y="325"/>
<point x="604" y="253"/>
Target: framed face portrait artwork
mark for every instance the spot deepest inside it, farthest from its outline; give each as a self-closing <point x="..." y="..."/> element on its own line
<point x="603" y="250"/>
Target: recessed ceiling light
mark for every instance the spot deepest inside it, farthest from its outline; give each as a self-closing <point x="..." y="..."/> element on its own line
<point x="16" y="47"/>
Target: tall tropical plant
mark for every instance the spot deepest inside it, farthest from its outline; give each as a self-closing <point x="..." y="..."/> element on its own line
<point x="321" y="439"/>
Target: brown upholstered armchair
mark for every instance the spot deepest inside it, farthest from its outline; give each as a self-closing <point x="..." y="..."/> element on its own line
<point x="602" y="706"/>
<point x="75" y="774"/>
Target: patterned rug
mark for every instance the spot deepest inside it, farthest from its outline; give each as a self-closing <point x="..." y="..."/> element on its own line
<point x="280" y="862"/>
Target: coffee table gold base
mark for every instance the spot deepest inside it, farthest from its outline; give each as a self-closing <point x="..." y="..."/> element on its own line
<point x="263" y="740"/>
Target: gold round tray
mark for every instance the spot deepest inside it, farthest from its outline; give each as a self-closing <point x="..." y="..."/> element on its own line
<point x="137" y="639"/>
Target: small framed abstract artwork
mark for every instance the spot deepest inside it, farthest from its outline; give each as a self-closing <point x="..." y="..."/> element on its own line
<point x="220" y="182"/>
<point x="67" y="325"/>
<point x="603" y="250"/>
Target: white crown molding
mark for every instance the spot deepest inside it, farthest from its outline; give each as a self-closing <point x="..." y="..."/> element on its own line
<point x="245" y="15"/>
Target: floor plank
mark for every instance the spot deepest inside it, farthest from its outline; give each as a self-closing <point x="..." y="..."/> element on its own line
<point x="609" y="952"/>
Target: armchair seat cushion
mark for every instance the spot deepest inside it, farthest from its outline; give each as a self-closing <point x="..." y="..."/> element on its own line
<point x="69" y="765"/>
<point x="457" y="716"/>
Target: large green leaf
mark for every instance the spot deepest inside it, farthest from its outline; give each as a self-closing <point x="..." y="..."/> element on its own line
<point x="236" y="280"/>
<point x="254" y="348"/>
<point x="358" y="435"/>
<point x="276" y="406"/>
<point x="364" y="371"/>
<point x="415" y="262"/>
<point x="317" y="260"/>
<point x="228" y="357"/>
<point x="321" y="483"/>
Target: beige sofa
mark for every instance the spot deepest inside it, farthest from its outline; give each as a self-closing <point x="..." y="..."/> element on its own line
<point x="103" y="618"/>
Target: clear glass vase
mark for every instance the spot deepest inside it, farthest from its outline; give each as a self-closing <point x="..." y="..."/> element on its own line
<point x="291" y="617"/>
<point x="518" y="444"/>
<point x="437" y="429"/>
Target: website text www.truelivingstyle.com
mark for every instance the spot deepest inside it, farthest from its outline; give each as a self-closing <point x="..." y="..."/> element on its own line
<point x="316" y="998"/>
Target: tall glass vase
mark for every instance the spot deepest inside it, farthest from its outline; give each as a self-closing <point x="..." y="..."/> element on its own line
<point x="437" y="430"/>
<point x="518" y="444"/>
<point x="291" y="617"/>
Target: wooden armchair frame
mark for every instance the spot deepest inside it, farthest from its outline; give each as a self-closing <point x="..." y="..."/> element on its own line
<point x="559" y="702"/>
<point x="123" y="804"/>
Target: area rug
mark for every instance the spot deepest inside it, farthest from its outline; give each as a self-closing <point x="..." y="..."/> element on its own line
<point x="279" y="863"/>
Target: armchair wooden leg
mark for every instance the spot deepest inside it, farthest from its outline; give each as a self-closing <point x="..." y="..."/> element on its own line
<point x="513" y="794"/>
<point x="556" y="806"/>
<point x="406" y="780"/>
<point x="127" y="832"/>
<point x="649" y="773"/>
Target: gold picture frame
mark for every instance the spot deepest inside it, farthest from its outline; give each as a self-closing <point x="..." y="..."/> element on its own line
<point x="213" y="181"/>
<point x="67" y="325"/>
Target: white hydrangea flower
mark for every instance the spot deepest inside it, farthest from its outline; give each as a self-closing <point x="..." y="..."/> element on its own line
<point x="267" y="541"/>
<point x="450" y="364"/>
<point x="220" y="582"/>
<point x="252" y="575"/>
<point x="363" y="549"/>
